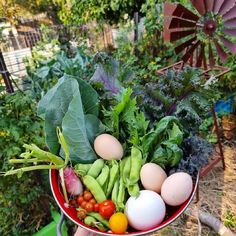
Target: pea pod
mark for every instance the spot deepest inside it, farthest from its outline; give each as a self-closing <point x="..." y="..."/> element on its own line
<point x="82" y="169"/>
<point x="98" y="217"/>
<point x="103" y="177"/>
<point x="115" y="190"/>
<point x="95" y="188"/>
<point x="136" y="164"/>
<point x="96" y="168"/>
<point x="133" y="190"/>
<point x="91" y="221"/>
<point x="121" y="195"/>
<point x="112" y="178"/>
<point x="126" y="170"/>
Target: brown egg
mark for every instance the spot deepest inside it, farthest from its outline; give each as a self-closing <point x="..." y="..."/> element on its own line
<point x="177" y="188"/>
<point x="152" y="177"/>
<point x="108" y="147"/>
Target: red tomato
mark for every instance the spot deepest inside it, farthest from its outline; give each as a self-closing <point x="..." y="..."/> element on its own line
<point x="89" y="207"/>
<point x="73" y="203"/>
<point x="93" y="201"/>
<point x="107" y="208"/>
<point x="87" y="196"/>
<point x="96" y="207"/>
<point x="83" y="204"/>
<point x="80" y="199"/>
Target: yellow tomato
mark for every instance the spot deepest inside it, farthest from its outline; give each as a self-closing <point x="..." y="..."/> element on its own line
<point x="118" y="223"/>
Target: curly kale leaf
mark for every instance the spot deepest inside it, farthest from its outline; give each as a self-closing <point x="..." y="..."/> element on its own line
<point x="196" y="154"/>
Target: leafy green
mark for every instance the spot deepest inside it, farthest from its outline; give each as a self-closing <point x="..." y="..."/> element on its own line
<point x="56" y="109"/>
<point x="75" y="132"/>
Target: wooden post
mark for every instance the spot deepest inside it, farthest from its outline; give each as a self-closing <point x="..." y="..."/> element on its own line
<point x="5" y="74"/>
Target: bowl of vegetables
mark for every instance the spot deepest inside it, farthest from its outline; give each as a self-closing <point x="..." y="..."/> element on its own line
<point x="112" y="171"/>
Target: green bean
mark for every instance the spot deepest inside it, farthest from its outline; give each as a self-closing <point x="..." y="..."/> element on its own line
<point x="136" y="164"/>
<point x="96" y="168"/>
<point x="114" y="171"/>
<point x="103" y="177"/>
<point x="98" y="217"/>
<point x="82" y="169"/>
<point x="91" y="221"/>
<point x="133" y="190"/>
<point x="126" y="170"/>
<point x="115" y="190"/>
<point x="95" y="188"/>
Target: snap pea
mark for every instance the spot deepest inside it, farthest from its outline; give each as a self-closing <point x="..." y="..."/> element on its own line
<point x="112" y="178"/>
<point x="133" y="190"/>
<point x="136" y="164"/>
<point x="126" y="170"/>
<point x="121" y="195"/>
<point x="82" y="169"/>
<point x="103" y="177"/>
<point x="96" y="168"/>
<point x="98" y="217"/>
<point x="95" y="188"/>
<point x="115" y="190"/>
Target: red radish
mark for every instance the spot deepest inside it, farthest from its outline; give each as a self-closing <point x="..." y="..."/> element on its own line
<point x="72" y="182"/>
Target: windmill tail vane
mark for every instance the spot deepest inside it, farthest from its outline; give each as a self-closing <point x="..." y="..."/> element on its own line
<point x="202" y="34"/>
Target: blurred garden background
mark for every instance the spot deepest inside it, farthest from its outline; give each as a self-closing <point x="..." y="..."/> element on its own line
<point x="120" y="41"/>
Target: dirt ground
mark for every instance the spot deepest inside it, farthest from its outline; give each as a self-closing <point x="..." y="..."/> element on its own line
<point x="217" y="197"/>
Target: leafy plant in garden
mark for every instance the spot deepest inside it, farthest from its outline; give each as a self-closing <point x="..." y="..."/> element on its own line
<point x="180" y="93"/>
<point x="21" y="203"/>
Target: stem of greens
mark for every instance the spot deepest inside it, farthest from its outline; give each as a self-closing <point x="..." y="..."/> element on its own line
<point x="61" y="173"/>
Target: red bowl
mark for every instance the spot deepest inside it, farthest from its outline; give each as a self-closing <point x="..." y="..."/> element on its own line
<point x="172" y="213"/>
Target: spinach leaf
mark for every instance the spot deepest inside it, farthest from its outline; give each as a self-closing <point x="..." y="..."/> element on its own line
<point x="75" y="132"/>
<point x="58" y="103"/>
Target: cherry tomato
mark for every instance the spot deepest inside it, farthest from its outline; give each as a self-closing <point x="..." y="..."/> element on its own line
<point x="88" y="196"/>
<point x="118" y="223"/>
<point x="107" y="208"/>
<point x="93" y="201"/>
<point x="89" y="207"/>
<point x="80" y="199"/>
<point x="83" y="204"/>
<point x="72" y="203"/>
<point x="96" y="207"/>
<point x="81" y="214"/>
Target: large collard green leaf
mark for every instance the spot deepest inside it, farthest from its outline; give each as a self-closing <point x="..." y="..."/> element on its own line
<point x="94" y="127"/>
<point x="75" y="132"/>
<point x="46" y="100"/>
<point x="57" y="106"/>
<point x="89" y="97"/>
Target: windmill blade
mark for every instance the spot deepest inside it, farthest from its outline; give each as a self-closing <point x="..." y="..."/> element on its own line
<point x="201" y="56"/>
<point x="200" y="6"/>
<point x="184" y="45"/>
<point x="231" y="32"/>
<point x="189" y="53"/>
<point x="226" y="6"/>
<point x="180" y="23"/>
<point x="211" y="56"/>
<point x="231" y="46"/>
<point x="230" y="23"/>
<point x="217" y="5"/>
<point x="222" y="54"/>
<point x="171" y="9"/>
<point x="176" y="35"/>
<point x="230" y="14"/>
<point x="209" y="4"/>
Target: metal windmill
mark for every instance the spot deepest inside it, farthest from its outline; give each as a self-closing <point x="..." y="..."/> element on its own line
<point x="199" y="33"/>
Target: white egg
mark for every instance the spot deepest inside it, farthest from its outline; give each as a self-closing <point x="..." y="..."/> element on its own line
<point x="145" y="211"/>
<point x="108" y="147"/>
<point x="152" y="177"/>
<point x="177" y="188"/>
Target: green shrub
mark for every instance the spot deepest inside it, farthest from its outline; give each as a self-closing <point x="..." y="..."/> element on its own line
<point x="23" y="204"/>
